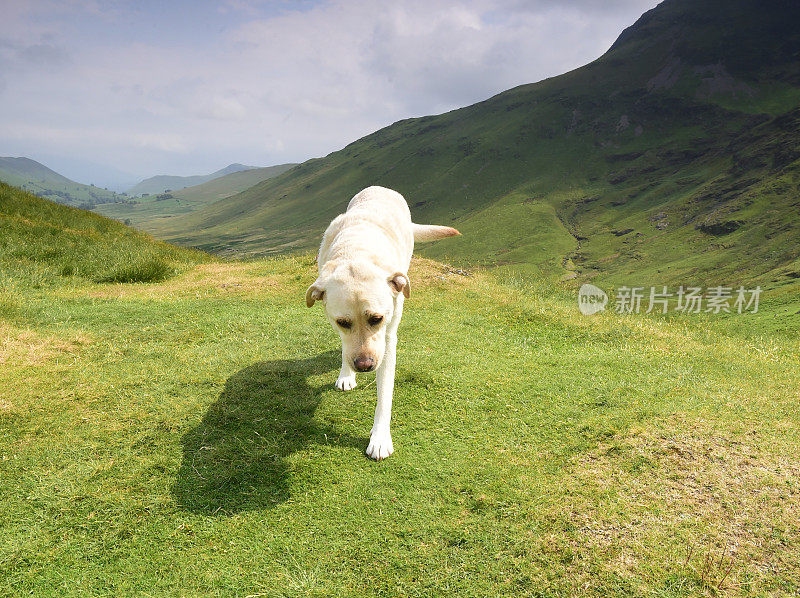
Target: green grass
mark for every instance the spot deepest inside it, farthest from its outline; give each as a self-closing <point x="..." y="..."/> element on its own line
<point x="150" y="269"/>
<point x="185" y="438"/>
<point x="44" y="242"/>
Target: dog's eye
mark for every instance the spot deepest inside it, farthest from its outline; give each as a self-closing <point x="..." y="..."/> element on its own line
<point x="375" y="320"/>
<point x="346" y="324"/>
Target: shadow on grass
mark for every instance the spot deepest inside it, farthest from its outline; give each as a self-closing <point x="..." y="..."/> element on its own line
<point x="235" y="459"/>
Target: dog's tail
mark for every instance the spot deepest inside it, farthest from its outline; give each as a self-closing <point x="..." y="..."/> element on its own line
<point x="432" y="232"/>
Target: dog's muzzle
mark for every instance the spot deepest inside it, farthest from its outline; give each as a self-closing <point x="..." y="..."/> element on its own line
<point x="364" y="364"/>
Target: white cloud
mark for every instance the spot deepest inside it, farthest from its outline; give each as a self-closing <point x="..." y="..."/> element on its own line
<point x="161" y="142"/>
<point x="224" y="108"/>
<point x="263" y="83"/>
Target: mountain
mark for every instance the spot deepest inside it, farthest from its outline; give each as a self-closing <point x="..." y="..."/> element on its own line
<point x="38" y="179"/>
<point x="230" y="184"/>
<point x="672" y="157"/>
<point x="143" y="212"/>
<point x="100" y="174"/>
<point x="165" y="183"/>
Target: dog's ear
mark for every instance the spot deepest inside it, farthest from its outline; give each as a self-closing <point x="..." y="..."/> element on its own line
<point x="400" y="284"/>
<point x="314" y="293"/>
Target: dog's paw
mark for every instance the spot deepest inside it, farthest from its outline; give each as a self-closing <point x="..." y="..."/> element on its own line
<point x="380" y="445"/>
<point x="346" y="382"/>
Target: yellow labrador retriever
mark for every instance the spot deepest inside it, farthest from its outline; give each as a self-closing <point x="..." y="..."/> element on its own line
<point x="363" y="280"/>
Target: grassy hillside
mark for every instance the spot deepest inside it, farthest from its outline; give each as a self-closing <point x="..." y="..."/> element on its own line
<point x="142" y="212"/>
<point x="164" y="182"/>
<point x="673" y="157"/>
<point x="43" y="243"/>
<point x="185" y="438"/>
<point x="36" y="178"/>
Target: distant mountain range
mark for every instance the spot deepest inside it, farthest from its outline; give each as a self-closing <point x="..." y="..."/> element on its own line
<point x="164" y="183"/>
<point x="36" y="178"/>
<point x="32" y="176"/>
<point x="673" y="158"/>
<point x="147" y="212"/>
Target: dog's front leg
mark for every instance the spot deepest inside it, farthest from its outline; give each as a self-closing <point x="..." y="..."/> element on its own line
<point x="380" y="441"/>
<point x="347" y="375"/>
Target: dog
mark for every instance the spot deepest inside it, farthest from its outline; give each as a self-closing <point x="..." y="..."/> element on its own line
<point x="363" y="281"/>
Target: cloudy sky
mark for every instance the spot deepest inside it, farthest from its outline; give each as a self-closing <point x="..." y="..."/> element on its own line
<point x="111" y="91"/>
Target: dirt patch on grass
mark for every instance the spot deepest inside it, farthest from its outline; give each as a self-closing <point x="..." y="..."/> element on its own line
<point x="282" y="276"/>
<point x="609" y="258"/>
<point x="424" y="272"/>
<point x="712" y="510"/>
<point x="205" y="279"/>
<point x="31" y="348"/>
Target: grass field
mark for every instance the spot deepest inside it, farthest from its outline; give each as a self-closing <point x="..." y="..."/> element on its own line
<point x="184" y="437"/>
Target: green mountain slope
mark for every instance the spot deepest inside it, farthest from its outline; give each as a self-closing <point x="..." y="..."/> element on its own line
<point x="142" y="212"/>
<point x="42" y="242"/>
<point x="163" y="183"/>
<point x="673" y="155"/>
<point x="36" y="178"/>
<point x="230" y="184"/>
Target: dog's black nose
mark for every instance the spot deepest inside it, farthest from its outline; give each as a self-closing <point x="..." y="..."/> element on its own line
<point x="364" y="364"/>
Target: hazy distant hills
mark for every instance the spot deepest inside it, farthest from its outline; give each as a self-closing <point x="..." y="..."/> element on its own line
<point x="144" y="212"/>
<point x="163" y="182"/>
<point x="36" y="178"/>
<point x="230" y="184"/>
<point x="673" y="157"/>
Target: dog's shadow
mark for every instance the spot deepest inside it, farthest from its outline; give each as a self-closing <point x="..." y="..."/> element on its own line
<point x="236" y="458"/>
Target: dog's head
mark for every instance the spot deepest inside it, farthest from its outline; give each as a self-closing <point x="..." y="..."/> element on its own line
<point x="359" y="302"/>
